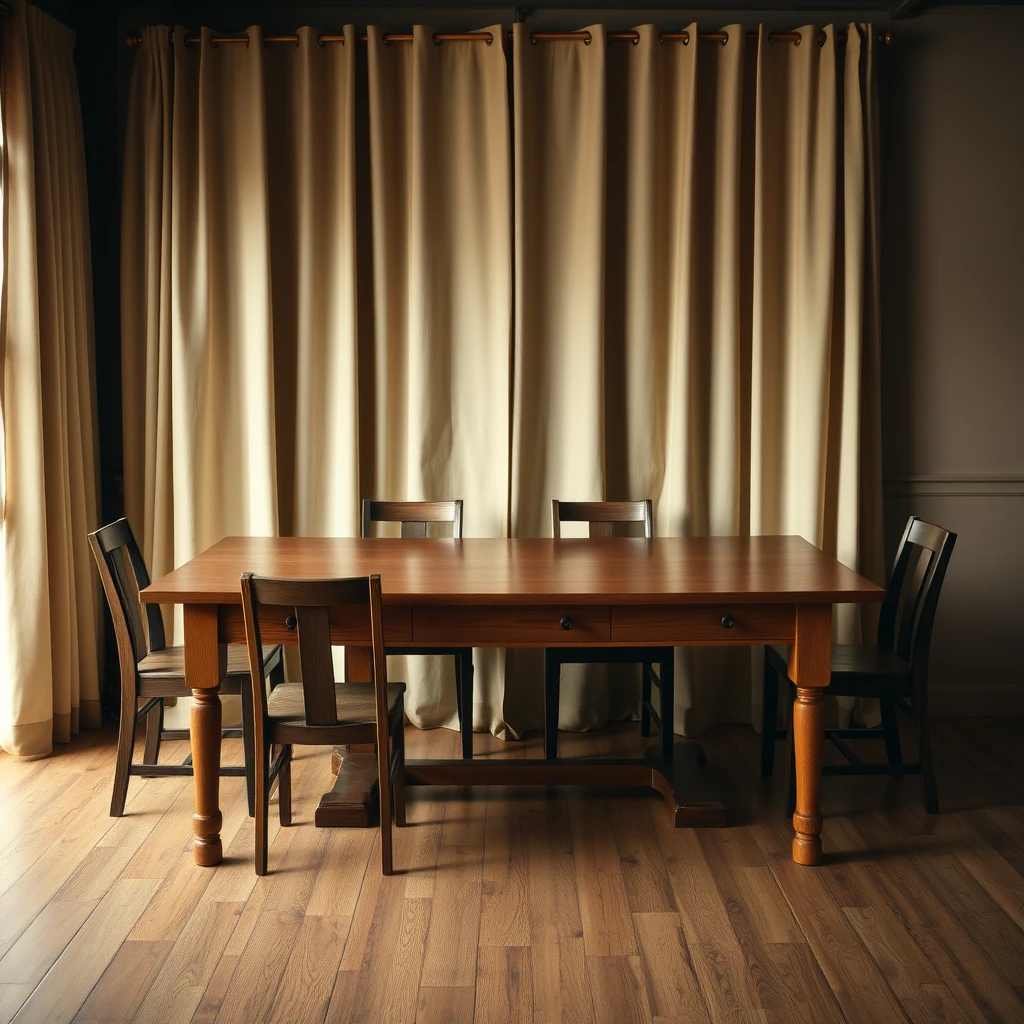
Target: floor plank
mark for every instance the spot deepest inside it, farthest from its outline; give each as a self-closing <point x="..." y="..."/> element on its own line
<point x="65" y="988"/>
<point x="539" y="905"/>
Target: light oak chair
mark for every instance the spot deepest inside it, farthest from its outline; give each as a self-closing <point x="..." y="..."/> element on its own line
<point x="414" y="517"/>
<point x="152" y="672"/>
<point x="601" y="516"/>
<point x="894" y="670"/>
<point x="318" y="711"/>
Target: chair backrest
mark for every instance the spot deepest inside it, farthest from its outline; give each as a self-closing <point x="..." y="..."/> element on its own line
<point x="124" y="574"/>
<point x="413" y="515"/>
<point x="908" y="611"/>
<point x="308" y="606"/>
<point x="601" y="515"/>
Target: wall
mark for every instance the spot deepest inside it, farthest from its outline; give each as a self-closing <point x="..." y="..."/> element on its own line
<point x="953" y="365"/>
<point x="953" y="221"/>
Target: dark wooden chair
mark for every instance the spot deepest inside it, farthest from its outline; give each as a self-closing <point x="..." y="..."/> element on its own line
<point x="414" y="517"/>
<point x="318" y="710"/>
<point x="152" y="672"/>
<point x="894" y="670"/>
<point x="602" y="517"/>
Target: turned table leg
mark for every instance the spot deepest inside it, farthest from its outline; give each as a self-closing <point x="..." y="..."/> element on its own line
<point x="205" y="667"/>
<point x="810" y="661"/>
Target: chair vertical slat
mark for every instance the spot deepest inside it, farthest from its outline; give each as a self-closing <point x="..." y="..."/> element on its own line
<point x="890" y="606"/>
<point x="314" y="632"/>
<point x="915" y="591"/>
<point x="128" y="591"/>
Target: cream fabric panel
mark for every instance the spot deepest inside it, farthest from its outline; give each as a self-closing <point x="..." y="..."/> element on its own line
<point x="49" y="611"/>
<point x="439" y="137"/>
<point x="196" y="303"/>
<point x="558" y="411"/>
<point x="146" y="300"/>
<point x="310" y="91"/>
<point x="680" y="423"/>
<point x="816" y="467"/>
<point x="558" y="418"/>
<point x="223" y="454"/>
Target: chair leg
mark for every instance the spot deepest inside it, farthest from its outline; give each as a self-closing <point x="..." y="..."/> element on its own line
<point x="790" y="756"/>
<point x="284" y="788"/>
<point x="645" y="700"/>
<point x="248" y="749"/>
<point x="261" y="772"/>
<point x="892" y="731"/>
<point x="398" y="741"/>
<point x="667" y="703"/>
<point x="384" y="792"/>
<point x="769" y="714"/>
<point x="552" y="681"/>
<point x="464" y="682"/>
<point x="154" y="726"/>
<point x="125" y="746"/>
<point x="924" y="756"/>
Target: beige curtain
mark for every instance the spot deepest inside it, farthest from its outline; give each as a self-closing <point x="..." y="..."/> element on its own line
<point x="442" y="275"/>
<point x="242" y="348"/>
<point x="697" y="321"/>
<point x="694" y="244"/>
<point x="197" y="328"/>
<point x="49" y="622"/>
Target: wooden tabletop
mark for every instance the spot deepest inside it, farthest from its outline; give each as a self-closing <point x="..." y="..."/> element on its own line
<point x="666" y="570"/>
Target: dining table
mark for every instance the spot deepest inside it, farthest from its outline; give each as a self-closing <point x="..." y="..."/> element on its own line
<point x="526" y="592"/>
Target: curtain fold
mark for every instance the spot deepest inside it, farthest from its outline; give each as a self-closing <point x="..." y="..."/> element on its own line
<point x="667" y="288"/>
<point x="49" y="611"/>
<point x="312" y="277"/>
<point x="197" y="311"/>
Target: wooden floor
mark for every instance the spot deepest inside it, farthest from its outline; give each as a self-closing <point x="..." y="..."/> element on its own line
<point x="532" y="905"/>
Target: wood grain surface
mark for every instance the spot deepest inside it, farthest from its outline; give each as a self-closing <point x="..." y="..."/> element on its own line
<point x="621" y="571"/>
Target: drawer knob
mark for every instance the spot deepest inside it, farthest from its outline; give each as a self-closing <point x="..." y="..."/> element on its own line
<point x="728" y="621"/>
<point x="566" y="622"/>
<point x="290" y="622"/>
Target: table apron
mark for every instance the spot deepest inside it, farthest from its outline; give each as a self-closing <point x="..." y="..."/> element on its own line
<point x="542" y="625"/>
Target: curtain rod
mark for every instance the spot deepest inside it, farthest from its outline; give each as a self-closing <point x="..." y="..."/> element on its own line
<point x="486" y="37"/>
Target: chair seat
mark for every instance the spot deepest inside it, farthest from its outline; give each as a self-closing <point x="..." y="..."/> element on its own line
<point x="354" y="701"/>
<point x="857" y="660"/>
<point x="169" y="662"/>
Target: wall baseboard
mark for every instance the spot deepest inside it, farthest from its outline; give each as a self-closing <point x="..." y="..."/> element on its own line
<point x="1004" y="485"/>
<point x="977" y="701"/>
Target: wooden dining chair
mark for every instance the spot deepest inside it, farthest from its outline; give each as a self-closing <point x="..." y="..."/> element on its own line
<point x="153" y="672"/>
<point x="318" y="711"/>
<point x="414" y="517"/>
<point x="894" y="670"/>
<point x="602" y="517"/>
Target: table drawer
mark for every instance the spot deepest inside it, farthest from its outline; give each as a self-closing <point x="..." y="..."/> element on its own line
<point x="346" y="627"/>
<point x="679" y="625"/>
<point x="512" y="626"/>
